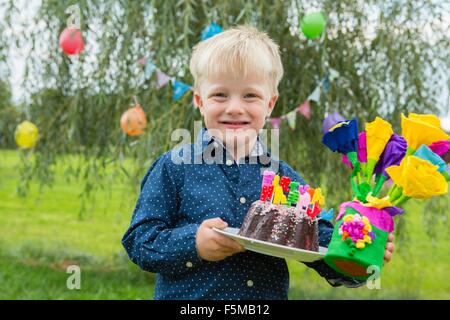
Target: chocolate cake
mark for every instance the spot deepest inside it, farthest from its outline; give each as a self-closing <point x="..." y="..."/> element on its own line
<point x="281" y="224"/>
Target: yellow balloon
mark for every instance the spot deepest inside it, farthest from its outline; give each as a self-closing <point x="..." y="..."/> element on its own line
<point x="26" y="135"/>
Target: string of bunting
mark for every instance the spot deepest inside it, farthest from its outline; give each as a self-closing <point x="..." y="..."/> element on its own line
<point x="162" y="79"/>
<point x="180" y="88"/>
<point x="305" y="107"/>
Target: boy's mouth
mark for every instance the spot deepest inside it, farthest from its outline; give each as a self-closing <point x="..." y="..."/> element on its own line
<point x="234" y="124"/>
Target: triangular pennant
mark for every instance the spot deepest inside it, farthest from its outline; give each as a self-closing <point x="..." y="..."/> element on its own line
<point x="291" y="118"/>
<point x="275" y="122"/>
<point x="142" y="61"/>
<point x="149" y="69"/>
<point x="179" y="89"/>
<point x="162" y="79"/>
<point x="330" y="120"/>
<point x="315" y="96"/>
<point x="210" y="31"/>
<point x="333" y="74"/>
<point x="305" y="109"/>
<point x="326" y="83"/>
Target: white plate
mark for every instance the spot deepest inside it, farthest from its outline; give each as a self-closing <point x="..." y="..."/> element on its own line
<point x="272" y="249"/>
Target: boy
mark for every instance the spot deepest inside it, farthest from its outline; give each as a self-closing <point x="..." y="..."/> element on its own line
<point x="236" y="76"/>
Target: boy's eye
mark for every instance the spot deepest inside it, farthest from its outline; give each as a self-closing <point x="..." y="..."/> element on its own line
<point x="250" y="95"/>
<point x="219" y="94"/>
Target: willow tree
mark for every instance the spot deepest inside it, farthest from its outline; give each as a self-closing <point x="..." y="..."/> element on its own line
<point x="391" y="56"/>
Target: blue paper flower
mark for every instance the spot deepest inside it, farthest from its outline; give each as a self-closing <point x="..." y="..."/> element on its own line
<point x="342" y="137"/>
<point x="327" y="215"/>
<point x="210" y="31"/>
<point x="425" y="153"/>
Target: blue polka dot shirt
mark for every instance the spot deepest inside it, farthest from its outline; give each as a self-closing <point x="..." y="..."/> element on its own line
<point x="188" y="185"/>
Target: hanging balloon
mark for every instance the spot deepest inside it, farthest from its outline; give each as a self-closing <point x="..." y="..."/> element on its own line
<point x="133" y="121"/>
<point x="313" y="24"/>
<point x="71" y="41"/>
<point x="26" y="135"/>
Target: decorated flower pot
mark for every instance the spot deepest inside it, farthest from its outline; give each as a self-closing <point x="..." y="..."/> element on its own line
<point x="359" y="239"/>
<point x="414" y="160"/>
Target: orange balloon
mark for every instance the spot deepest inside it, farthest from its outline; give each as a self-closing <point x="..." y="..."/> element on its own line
<point x="133" y="121"/>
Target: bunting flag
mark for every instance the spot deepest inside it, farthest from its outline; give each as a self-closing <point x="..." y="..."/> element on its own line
<point x="305" y="109"/>
<point x="315" y="96"/>
<point x="292" y="118"/>
<point x="211" y="31"/>
<point x="331" y="120"/>
<point x="275" y="122"/>
<point x="333" y="74"/>
<point x="326" y="83"/>
<point x="162" y="79"/>
<point x="142" y="61"/>
<point x="149" y="69"/>
<point x="179" y="89"/>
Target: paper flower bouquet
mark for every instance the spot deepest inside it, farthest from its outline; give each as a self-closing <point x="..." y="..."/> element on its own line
<point x="415" y="163"/>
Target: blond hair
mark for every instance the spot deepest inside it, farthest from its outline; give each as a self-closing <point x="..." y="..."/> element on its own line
<point x="239" y="51"/>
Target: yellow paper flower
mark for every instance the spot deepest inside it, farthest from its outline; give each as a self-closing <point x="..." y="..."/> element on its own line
<point x="378" y="203"/>
<point x="418" y="129"/>
<point x="378" y="133"/>
<point x="428" y="118"/>
<point x="419" y="178"/>
<point x="318" y="197"/>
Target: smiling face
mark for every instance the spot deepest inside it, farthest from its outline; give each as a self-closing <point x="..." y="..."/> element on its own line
<point x="234" y="110"/>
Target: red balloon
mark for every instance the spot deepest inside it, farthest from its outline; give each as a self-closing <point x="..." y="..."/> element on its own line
<point x="71" y="41"/>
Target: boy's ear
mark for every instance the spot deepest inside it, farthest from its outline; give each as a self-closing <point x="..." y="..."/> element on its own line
<point x="272" y="102"/>
<point x="198" y="101"/>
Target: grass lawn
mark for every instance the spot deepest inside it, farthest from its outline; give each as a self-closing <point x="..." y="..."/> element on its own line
<point x="42" y="234"/>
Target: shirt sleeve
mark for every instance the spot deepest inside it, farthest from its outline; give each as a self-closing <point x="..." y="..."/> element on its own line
<point x="334" y="278"/>
<point x="154" y="240"/>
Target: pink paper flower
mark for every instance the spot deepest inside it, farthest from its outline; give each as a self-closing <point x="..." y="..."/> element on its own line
<point x="440" y="147"/>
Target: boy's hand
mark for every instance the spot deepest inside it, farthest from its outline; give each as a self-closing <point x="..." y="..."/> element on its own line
<point x="389" y="248"/>
<point x="213" y="246"/>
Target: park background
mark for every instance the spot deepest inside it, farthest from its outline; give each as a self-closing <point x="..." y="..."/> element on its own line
<point x="69" y="200"/>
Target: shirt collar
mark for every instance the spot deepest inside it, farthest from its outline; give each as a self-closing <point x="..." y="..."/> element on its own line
<point x="204" y="139"/>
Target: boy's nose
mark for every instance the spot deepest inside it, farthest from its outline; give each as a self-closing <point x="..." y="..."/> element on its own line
<point x="235" y="106"/>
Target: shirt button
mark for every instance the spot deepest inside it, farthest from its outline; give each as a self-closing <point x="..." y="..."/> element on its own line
<point x="242" y="200"/>
<point x="189" y="264"/>
<point x="229" y="162"/>
<point x="250" y="283"/>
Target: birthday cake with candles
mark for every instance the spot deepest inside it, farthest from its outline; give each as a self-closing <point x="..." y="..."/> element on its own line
<point x="286" y="220"/>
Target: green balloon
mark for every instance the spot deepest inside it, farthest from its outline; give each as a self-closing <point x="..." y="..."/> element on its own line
<point x="313" y="24"/>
